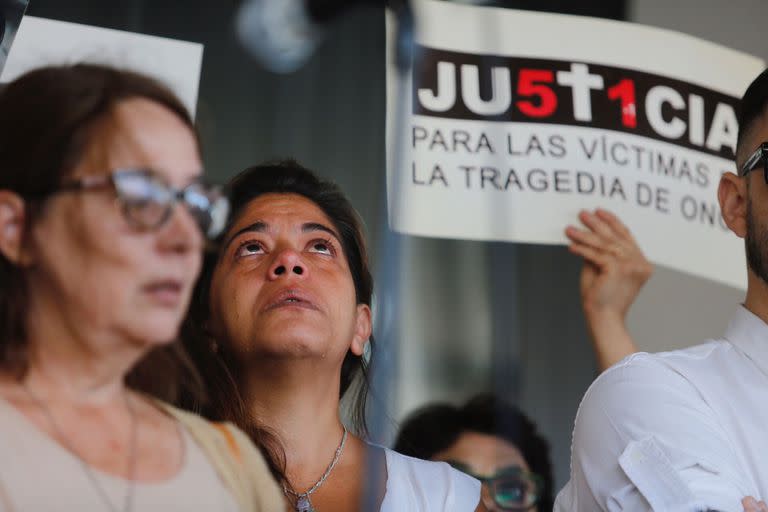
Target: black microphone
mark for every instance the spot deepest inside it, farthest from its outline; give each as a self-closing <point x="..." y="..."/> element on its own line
<point x="323" y="11"/>
<point x="283" y="34"/>
<point x="2" y="26"/>
<point x="11" y="12"/>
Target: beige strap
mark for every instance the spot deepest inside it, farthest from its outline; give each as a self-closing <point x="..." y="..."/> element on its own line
<point x="231" y="442"/>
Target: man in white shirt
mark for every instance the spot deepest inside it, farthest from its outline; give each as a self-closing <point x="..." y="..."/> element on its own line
<point x="688" y="430"/>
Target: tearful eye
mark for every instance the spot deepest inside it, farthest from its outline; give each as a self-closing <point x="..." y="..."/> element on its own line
<point x="248" y="249"/>
<point x="321" y="247"/>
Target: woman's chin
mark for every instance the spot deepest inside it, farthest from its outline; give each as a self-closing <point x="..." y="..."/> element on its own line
<point x="155" y="334"/>
<point x="292" y="342"/>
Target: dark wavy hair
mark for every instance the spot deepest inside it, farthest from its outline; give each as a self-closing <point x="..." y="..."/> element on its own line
<point x="218" y="367"/>
<point x="50" y="117"/>
<point x="437" y="427"/>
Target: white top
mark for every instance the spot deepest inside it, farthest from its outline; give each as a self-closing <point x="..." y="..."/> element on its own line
<point x="677" y="431"/>
<point x="38" y="474"/>
<point x="418" y="485"/>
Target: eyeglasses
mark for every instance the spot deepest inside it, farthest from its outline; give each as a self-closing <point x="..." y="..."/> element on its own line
<point x="512" y="488"/>
<point x="757" y="160"/>
<point x="148" y="201"/>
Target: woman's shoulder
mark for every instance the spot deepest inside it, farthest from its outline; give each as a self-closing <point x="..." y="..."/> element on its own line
<point x="426" y="486"/>
<point x="235" y="457"/>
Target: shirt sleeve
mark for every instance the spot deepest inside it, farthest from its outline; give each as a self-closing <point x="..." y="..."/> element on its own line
<point x="646" y="440"/>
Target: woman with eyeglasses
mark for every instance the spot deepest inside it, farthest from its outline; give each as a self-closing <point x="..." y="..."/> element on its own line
<point x="490" y="440"/>
<point x="281" y="324"/>
<point x="103" y="217"/>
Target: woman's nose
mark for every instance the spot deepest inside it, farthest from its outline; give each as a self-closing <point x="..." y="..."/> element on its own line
<point x="287" y="262"/>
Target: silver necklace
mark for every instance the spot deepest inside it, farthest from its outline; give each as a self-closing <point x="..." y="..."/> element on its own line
<point x="303" y="503"/>
<point x="129" y="493"/>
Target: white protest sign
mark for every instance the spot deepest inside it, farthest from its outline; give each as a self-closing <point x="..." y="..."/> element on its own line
<point x="510" y="122"/>
<point x="41" y="42"/>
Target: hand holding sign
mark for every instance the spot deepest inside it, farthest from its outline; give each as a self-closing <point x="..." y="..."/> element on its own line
<point x="614" y="271"/>
<point x="615" y="268"/>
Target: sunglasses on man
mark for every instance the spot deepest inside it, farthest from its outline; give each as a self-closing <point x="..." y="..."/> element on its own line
<point x="757" y="160"/>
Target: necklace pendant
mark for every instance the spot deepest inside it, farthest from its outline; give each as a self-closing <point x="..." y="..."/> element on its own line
<point x="304" y="505"/>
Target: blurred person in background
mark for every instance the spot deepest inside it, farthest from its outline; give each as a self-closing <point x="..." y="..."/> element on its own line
<point x="103" y="217"/>
<point x="490" y="440"/>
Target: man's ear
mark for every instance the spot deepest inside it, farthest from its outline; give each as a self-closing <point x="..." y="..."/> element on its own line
<point x="12" y="227"/>
<point x="732" y="196"/>
<point x="363" y="327"/>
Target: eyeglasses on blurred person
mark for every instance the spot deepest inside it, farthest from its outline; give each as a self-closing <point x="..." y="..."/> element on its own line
<point x="490" y="440"/>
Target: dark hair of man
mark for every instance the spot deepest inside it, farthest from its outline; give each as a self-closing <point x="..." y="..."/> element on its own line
<point x="752" y="108"/>
<point x="437" y="427"/>
<point x="50" y="118"/>
<point x="220" y="369"/>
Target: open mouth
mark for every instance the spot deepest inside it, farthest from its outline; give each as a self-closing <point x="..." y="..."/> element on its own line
<point x="291" y="299"/>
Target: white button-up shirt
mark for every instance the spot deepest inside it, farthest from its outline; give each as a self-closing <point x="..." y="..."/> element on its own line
<point x="679" y="431"/>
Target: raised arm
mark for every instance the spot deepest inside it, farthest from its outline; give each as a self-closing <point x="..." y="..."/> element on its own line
<point x="614" y="271"/>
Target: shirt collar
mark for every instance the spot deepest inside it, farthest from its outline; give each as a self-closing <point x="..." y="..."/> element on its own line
<point x="749" y="334"/>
